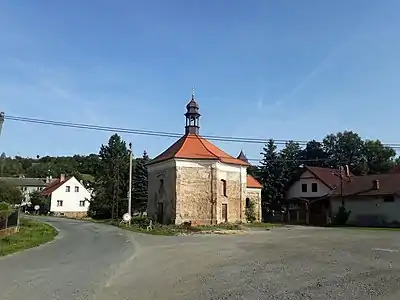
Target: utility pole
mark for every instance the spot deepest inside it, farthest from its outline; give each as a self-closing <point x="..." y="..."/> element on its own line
<point x="1" y="121"/>
<point x="130" y="183"/>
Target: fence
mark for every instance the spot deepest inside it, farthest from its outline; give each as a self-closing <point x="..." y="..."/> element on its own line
<point x="9" y="222"/>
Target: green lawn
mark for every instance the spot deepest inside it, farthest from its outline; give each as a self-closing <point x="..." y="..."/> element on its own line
<point x="31" y="234"/>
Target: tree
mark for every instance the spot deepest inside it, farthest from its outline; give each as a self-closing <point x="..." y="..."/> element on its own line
<point x="111" y="180"/>
<point x="271" y="176"/>
<point x="345" y="148"/>
<point x="140" y="186"/>
<point x="37" y="199"/>
<point x="314" y="154"/>
<point x="10" y="194"/>
<point x="379" y="158"/>
<point x="290" y="157"/>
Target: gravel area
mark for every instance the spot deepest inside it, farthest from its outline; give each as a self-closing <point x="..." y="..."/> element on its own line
<point x="284" y="263"/>
<point x="100" y="262"/>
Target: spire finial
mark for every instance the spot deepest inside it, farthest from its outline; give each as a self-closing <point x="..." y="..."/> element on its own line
<point x="193" y="93"/>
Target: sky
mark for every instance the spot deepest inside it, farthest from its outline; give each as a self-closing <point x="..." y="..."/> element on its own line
<point x="277" y="69"/>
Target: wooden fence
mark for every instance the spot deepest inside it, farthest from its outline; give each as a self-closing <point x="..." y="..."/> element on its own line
<point x="9" y="222"/>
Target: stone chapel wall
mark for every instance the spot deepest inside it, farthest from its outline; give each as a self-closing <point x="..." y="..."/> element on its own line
<point x="161" y="192"/>
<point x="195" y="191"/>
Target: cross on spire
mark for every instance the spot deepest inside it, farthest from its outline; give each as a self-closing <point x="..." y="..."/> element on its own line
<point x="193" y="93"/>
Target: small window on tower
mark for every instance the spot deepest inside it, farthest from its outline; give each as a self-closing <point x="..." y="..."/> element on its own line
<point x="223" y="187"/>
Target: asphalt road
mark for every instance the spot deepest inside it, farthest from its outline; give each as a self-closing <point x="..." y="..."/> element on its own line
<point x="76" y="265"/>
<point x="91" y="261"/>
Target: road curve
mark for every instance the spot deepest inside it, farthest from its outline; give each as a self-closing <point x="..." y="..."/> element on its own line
<point x="76" y="265"/>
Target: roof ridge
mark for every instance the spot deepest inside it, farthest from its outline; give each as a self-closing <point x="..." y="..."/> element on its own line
<point x="209" y="151"/>
<point x="184" y="137"/>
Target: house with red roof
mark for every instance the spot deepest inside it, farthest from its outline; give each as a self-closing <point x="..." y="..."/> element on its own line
<point x="68" y="197"/>
<point x="315" y="195"/>
<point x="195" y="181"/>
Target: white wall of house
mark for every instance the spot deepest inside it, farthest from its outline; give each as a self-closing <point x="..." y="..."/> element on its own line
<point x="308" y="179"/>
<point x="71" y="201"/>
<point x="368" y="206"/>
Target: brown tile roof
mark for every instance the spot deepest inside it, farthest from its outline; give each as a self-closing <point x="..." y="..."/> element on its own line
<point x="330" y="177"/>
<point x="52" y="186"/>
<point x="253" y="183"/>
<point x="357" y="185"/>
<point x="193" y="146"/>
<point x="389" y="184"/>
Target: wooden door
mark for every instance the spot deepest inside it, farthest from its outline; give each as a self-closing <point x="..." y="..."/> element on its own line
<point x="160" y="213"/>
<point x="225" y="212"/>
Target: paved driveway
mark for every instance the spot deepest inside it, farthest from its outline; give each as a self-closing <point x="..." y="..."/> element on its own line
<point x="98" y="262"/>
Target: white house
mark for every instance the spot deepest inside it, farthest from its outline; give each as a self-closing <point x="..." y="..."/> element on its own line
<point x="68" y="197"/>
<point x="316" y="194"/>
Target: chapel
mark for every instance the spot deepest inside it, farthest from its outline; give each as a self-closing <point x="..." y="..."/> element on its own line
<point x="195" y="181"/>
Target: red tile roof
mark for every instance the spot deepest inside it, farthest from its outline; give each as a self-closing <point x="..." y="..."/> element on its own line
<point x="389" y="184"/>
<point x="253" y="183"/>
<point x="52" y="186"/>
<point x="193" y="146"/>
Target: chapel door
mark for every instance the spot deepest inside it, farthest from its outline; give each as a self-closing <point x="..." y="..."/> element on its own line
<point x="160" y="213"/>
<point x="225" y="212"/>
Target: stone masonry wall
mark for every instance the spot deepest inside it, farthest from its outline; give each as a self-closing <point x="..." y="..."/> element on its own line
<point x="195" y="192"/>
<point x="161" y="189"/>
<point x="255" y="196"/>
<point x="233" y="197"/>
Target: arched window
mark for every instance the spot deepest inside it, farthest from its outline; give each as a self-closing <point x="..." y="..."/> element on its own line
<point x="223" y="187"/>
<point x="247" y="202"/>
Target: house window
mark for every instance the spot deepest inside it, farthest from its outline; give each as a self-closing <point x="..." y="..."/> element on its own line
<point x="223" y="187"/>
<point x="59" y="203"/>
<point x="82" y="203"/>
<point x="304" y="187"/>
<point x="77" y="189"/>
<point x="389" y="198"/>
<point x="67" y="188"/>
<point x="314" y="187"/>
<point x="247" y="202"/>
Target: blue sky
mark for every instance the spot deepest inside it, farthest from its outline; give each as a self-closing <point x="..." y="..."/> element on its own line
<point x="278" y="69"/>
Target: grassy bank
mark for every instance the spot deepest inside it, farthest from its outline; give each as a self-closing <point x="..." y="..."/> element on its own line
<point x="140" y="225"/>
<point x="32" y="233"/>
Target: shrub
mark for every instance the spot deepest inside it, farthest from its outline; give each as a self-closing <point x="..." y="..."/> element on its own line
<point x="250" y="212"/>
<point x="141" y="222"/>
<point x="5" y="206"/>
<point x="341" y="217"/>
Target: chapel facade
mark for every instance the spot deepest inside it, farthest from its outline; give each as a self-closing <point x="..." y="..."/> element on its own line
<point x="195" y="181"/>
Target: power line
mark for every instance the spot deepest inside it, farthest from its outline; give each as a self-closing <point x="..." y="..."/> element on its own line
<point x="157" y="133"/>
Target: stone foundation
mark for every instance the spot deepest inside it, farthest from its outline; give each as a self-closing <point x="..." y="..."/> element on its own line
<point x="74" y="214"/>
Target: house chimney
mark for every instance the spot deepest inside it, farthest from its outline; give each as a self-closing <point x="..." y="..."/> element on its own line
<point x="62" y="177"/>
<point x="347" y="171"/>
<point x="47" y="179"/>
<point x="375" y="184"/>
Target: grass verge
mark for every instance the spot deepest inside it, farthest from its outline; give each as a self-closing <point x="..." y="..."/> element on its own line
<point x="31" y="234"/>
<point x="263" y="225"/>
<point x="140" y="225"/>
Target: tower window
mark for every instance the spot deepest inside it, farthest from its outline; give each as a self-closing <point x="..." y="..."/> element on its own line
<point x="247" y="202"/>
<point x="223" y="187"/>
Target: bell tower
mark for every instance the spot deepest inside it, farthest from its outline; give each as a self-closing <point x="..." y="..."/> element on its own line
<point x="192" y="116"/>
